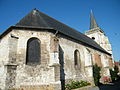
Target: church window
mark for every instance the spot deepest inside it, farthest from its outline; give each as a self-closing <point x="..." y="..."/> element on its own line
<point x="76" y="58"/>
<point x="33" y="51"/>
<point x="88" y="60"/>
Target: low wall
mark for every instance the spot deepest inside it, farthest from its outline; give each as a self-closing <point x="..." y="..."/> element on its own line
<point x="40" y="87"/>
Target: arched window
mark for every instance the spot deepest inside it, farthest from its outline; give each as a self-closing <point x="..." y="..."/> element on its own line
<point x="76" y="58"/>
<point x="33" y="51"/>
<point x="88" y="60"/>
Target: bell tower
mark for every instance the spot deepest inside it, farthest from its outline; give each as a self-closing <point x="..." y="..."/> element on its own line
<point x="98" y="35"/>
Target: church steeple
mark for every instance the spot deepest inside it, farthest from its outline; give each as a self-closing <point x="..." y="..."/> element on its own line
<point x="98" y="35"/>
<point x="93" y="23"/>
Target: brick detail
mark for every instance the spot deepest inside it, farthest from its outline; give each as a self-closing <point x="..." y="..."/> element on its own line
<point x="110" y="62"/>
<point x="98" y="59"/>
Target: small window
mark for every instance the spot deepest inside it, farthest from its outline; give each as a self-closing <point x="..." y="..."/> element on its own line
<point x="93" y="38"/>
<point x="77" y="58"/>
<point x="33" y="51"/>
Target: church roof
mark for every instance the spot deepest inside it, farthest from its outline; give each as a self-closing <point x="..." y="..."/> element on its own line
<point x="37" y="19"/>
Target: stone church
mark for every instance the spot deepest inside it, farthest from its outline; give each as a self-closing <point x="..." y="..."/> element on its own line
<point x="41" y="52"/>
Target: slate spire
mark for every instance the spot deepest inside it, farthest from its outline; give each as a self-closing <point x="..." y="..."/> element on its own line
<point x="93" y="23"/>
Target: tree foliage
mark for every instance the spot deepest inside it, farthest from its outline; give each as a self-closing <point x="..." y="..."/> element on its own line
<point x="96" y="74"/>
<point x="114" y="73"/>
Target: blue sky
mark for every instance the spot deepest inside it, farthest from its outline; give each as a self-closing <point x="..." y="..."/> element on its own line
<point x="74" y="13"/>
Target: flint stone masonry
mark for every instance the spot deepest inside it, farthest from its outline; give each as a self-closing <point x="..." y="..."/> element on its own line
<point x="10" y="76"/>
<point x="34" y="74"/>
<point x="85" y="71"/>
<point x="4" y="54"/>
<point x="56" y="64"/>
<point x="25" y="74"/>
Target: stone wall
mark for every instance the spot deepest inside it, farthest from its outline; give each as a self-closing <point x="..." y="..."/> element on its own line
<point x="38" y="87"/>
<point x="88" y="57"/>
<point x="4" y="54"/>
<point x="10" y="76"/>
<point x="40" y="74"/>
<point x="70" y="71"/>
<point x="56" y="66"/>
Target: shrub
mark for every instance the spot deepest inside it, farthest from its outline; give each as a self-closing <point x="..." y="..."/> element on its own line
<point x="96" y="74"/>
<point x="114" y="73"/>
<point x="76" y="84"/>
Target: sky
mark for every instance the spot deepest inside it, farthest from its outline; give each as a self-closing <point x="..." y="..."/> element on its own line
<point x="75" y="13"/>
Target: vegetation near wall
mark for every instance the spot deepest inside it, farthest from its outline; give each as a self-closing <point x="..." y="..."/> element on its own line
<point x="76" y="84"/>
<point x="96" y="74"/>
<point x="114" y="73"/>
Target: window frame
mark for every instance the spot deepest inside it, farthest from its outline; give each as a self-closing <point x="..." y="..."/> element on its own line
<point x="28" y="62"/>
<point x="77" y="59"/>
